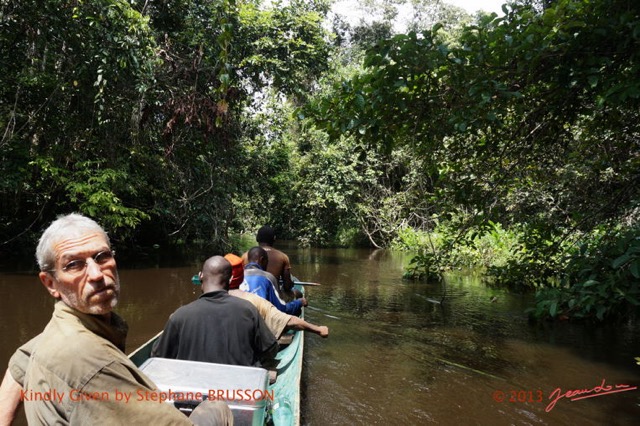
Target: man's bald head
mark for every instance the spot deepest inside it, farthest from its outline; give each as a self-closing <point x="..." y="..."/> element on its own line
<point x="215" y="274"/>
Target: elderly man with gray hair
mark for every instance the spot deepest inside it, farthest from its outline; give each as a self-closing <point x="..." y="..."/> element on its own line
<point x="75" y="371"/>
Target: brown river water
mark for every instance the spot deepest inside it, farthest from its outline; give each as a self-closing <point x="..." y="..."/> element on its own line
<point x="394" y="356"/>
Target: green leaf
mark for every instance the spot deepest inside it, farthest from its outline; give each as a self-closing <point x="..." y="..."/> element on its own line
<point x="635" y="268"/>
<point x="617" y="263"/>
<point x="632" y="300"/>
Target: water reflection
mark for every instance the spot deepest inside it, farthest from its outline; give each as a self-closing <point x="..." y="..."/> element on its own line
<point x="397" y="357"/>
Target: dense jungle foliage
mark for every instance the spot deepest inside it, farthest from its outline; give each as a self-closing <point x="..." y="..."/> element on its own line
<point x="510" y="143"/>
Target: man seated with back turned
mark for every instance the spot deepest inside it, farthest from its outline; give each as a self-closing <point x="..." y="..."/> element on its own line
<point x="80" y="352"/>
<point x="217" y="327"/>
<point x="264" y="284"/>
<point x="278" y="265"/>
<point x="276" y="320"/>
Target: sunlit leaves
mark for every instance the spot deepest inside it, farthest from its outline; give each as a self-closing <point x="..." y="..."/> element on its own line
<point x="284" y="46"/>
<point x="531" y="117"/>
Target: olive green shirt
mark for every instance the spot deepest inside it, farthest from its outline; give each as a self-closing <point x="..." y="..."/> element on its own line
<point x="78" y="374"/>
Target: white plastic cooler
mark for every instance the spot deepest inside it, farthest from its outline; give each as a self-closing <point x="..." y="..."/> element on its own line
<point x="181" y="383"/>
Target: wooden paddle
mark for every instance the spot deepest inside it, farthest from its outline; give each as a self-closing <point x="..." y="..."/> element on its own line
<point x="306" y="283"/>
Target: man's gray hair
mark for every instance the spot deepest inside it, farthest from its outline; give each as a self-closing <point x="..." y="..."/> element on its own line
<point x="68" y="226"/>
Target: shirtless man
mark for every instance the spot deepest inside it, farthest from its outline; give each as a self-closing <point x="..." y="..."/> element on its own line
<point x="278" y="265"/>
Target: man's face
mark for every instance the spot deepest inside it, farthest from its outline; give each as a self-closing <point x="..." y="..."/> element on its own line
<point x="92" y="288"/>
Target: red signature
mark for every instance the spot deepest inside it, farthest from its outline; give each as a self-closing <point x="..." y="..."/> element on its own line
<point x="578" y="394"/>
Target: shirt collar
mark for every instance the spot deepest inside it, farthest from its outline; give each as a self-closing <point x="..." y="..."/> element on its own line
<point x="113" y="329"/>
<point x="253" y="265"/>
<point x="214" y="294"/>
